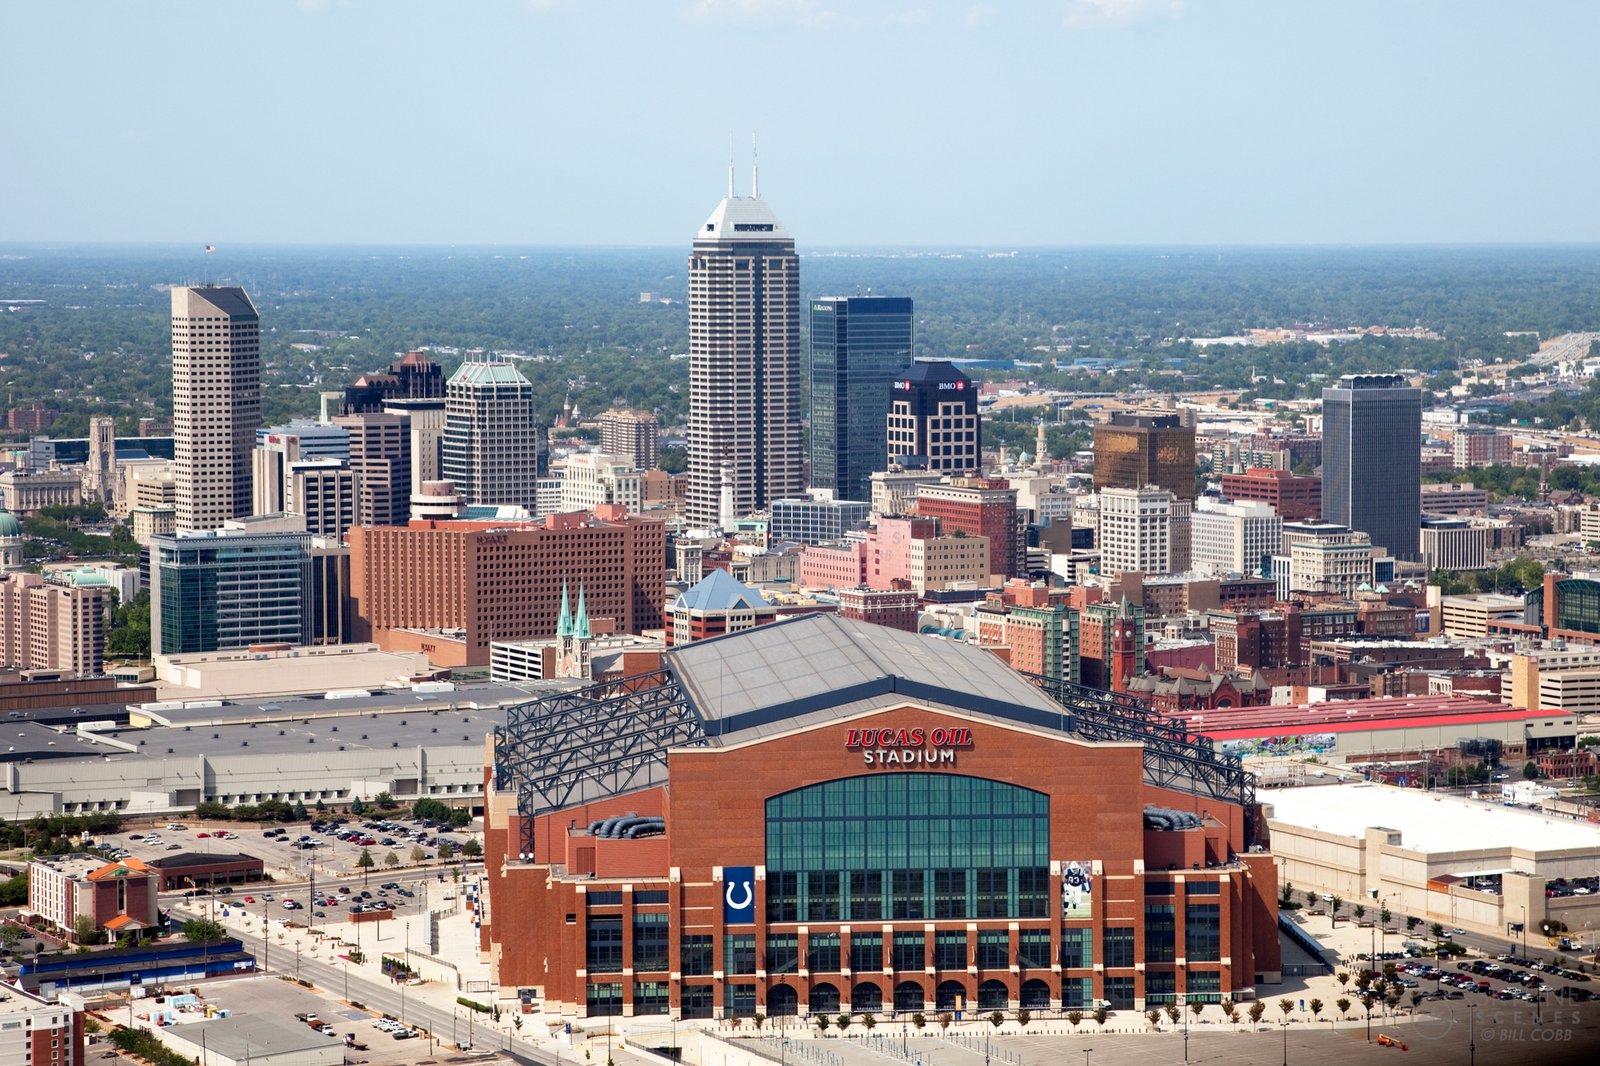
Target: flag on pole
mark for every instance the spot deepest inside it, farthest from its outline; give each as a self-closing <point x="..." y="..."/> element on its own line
<point x="210" y="248"/>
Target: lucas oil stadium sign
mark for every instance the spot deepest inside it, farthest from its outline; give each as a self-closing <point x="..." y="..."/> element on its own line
<point x="908" y="747"/>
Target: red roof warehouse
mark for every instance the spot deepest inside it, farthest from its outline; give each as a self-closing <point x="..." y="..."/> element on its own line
<point x="822" y="815"/>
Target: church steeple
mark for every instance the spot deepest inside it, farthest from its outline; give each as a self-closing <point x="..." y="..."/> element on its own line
<point x="564" y="620"/>
<point x="581" y="626"/>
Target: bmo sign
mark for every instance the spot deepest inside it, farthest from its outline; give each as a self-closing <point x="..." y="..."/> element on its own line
<point x="909" y="747"/>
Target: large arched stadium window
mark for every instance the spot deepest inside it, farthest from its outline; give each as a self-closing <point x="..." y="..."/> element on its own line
<point x="907" y="845"/>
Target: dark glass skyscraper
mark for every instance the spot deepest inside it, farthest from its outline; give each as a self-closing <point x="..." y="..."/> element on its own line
<point x="1372" y="460"/>
<point x="859" y="344"/>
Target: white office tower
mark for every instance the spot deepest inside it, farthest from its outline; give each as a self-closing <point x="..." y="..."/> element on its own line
<point x="216" y="402"/>
<point x="744" y="360"/>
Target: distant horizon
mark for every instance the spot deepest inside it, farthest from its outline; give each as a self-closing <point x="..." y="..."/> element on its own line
<point x="176" y="245"/>
<point x="570" y="123"/>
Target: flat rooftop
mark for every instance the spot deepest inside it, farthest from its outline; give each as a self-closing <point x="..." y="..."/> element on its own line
<point x="384" y="701"/>
<point x="1335" y="716"/>
<point x="1427" y="821"/>
<point x="14" y="1000"/>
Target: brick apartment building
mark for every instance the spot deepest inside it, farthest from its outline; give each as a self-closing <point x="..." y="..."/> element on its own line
<point x="1294" y="498"/>
<point x="981" y="507"/>
<point x="448" y="588"/>
<point x="833" y="566"/>
<point x="895" y="608"/>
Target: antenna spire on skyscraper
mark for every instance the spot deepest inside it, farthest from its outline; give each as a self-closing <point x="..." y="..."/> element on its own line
<point x="730" y="166"/>
<point x="755" y="173"/>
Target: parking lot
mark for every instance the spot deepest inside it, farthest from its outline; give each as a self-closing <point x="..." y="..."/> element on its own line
<point x="285" y="1002"/>
<point x="286" y="854"/>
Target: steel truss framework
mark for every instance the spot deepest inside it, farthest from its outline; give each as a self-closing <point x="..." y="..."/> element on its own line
<point x="599" y="741"/>
<point x="1173" y="756"/>
<point x="612" y="738"/>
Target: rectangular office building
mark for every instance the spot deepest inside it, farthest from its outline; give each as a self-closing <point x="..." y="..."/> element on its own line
<point x="225" y="589"/>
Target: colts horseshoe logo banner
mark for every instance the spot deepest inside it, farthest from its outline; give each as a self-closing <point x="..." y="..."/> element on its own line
<point x="738" y="895"/>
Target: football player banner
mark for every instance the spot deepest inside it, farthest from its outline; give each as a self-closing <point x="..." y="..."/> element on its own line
<point x="1076" y="881"/>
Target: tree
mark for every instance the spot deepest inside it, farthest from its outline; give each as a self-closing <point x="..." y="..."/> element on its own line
<point x="1288" y="892"/>
<point x="446" y="850"/>
<point x="201" y="930"/>
<point x="9" y="935"/>
<point x="1100" y="1015"/>
<point x="1336" y="904"/>
<point x="1153" y="1016"/>
<point x="472" y="849"/>
<point x="1173" y="1014"/>
<point x="1384" y="914"/>
<point x="919" y="1019"/>
<point x="1360" y="911"/>
<point x="384" y="802"/>
<point x="869" y="1021"/>
<point x="1416" y="1001"/>
<point x="843" y="1022"/>
<point x="1530" y="770"/>
<point x="1437" y="929"/>
<point x="1412" y="921"/>
<point x="1257" y="1009"/>
<point x="1344" y="1006"/>
<point x="1316" y="1009"/>
<point x="14" y="890"/>
<point x="997" y="1018"/>
<point x="1196" y="1008"/>
<point x="391" y="859"/>
<point x="1368" y="1001"/>
<point x="1230" y="1010"/>
<point x="84" y="929"/>
<point x="365" y="860"/>
<point x="417" y="854"/>
<point x="822" y="1022"/>
<point x="1023" y="1018"/>
<point x="1286" y="1005"/>
<point x="128" y="628"/>
<point x="1343" y="977"/>
<point x="945" y="1019"/>
<point x="300" y="812"/>
<point x="1074" y="1018"/>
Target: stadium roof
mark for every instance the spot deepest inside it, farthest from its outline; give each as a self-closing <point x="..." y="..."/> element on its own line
<point x="614" y="737"/>
<point x="821" y="667"/>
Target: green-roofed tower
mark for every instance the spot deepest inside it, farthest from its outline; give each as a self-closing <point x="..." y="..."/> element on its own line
<point x="494" y="448"/>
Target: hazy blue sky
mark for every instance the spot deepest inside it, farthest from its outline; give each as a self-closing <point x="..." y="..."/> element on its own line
<point x="880" y="121"/>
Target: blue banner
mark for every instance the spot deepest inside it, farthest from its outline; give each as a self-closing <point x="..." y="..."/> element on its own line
<point x="738" y="895"/>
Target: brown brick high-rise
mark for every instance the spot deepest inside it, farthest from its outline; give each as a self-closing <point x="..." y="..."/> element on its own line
<point x="503" y="581"/>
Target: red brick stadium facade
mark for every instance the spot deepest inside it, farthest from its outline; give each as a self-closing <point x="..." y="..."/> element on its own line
<point x="909" y="857"/>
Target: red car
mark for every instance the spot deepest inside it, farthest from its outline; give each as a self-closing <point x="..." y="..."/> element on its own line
<point x="202" y="836"/>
